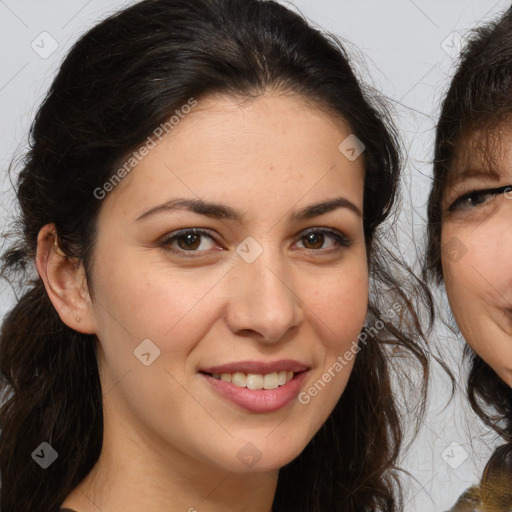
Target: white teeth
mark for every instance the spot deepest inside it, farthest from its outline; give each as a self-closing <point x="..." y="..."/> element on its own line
<point x="270" y="381"/>
<point x="239" y="379"/>
<point x="256" y="380"/>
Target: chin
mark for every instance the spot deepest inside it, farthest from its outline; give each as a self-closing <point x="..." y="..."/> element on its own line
<point x="251" y="459"/>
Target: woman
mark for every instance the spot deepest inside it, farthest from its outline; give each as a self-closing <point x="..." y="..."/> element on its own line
<point x="470" y="238"/>
<point x="202" y="200"/>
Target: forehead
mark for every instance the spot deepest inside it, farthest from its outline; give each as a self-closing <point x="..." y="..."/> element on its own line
<point x="481" y="153"/>
<point x="228" y="150"/>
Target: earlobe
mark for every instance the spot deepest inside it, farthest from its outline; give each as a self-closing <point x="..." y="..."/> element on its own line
<point x="65" y="282"/>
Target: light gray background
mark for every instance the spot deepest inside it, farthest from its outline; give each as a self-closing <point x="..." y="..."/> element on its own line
<point x="404" y="48"/>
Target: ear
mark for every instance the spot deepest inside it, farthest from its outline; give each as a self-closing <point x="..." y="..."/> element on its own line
<point x="65" y="282"/>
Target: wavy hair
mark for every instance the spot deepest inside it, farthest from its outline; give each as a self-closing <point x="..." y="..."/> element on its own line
<point x="120" y="80"/>
<point x="478" y="100"/>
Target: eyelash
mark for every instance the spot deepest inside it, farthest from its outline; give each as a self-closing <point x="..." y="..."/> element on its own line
<point x="477" y="194"/>
<point x="339" y="238"/>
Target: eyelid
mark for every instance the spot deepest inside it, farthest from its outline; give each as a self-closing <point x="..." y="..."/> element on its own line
<point x="492" y="191"/>
<point x="337" y="235"/>
<point x="166" y="241"/>
<point x="186" y="231"/>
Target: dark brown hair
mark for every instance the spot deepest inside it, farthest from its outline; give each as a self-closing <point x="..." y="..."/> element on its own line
<point x="478" y="101"/>
<point x="121" y="80"/>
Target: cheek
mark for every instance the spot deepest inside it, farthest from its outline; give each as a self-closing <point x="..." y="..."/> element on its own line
<point x="479" y="287"/>
<point x="339" y="308"/>
<point x="476" y="262"/>
<point x="459" y="251"/>
<point x="151" y="301"/>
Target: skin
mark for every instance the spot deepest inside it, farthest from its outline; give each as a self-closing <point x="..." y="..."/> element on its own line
<point x="171" y="441"/>
<point x="477" y="246"/>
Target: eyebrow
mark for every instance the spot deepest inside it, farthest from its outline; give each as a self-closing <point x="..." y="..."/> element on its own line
<point x="219" y="211"/>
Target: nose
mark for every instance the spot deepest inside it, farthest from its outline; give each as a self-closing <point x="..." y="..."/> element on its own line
<point x="263" y="303"/>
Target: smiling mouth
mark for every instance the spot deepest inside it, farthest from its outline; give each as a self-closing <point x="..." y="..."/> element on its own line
<point x="272" y="380"/>
<point x="258" y="386"/>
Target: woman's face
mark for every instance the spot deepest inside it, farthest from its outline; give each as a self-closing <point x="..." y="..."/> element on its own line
<point x="476" y="245"/>
<point x="231" y="258"/>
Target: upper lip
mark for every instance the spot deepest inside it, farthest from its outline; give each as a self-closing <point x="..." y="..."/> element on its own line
<point x="263" y="367"/>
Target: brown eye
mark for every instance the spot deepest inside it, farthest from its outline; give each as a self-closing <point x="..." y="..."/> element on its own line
<point x="313" y="240"/>
<point x="189" y="242"/>
<point x="317" y="239"/>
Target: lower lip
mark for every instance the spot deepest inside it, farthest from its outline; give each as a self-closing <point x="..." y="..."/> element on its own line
<point x="259" y="400"/>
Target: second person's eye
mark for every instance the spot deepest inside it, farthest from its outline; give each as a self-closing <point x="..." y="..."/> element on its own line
<point x="476" y="198"/>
